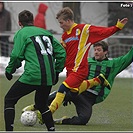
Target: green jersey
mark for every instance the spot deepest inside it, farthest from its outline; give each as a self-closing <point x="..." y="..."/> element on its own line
<point x="42" y="53"/>
<point x="110" y="68"/>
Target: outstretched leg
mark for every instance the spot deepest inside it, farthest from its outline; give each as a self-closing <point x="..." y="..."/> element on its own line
<point x="99" y="80"/>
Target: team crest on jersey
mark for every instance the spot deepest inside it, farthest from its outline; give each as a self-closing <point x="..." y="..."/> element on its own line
<point x="78" y="32"/>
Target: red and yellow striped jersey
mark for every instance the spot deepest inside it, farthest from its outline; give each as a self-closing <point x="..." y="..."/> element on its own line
<point x="77" y="42"/>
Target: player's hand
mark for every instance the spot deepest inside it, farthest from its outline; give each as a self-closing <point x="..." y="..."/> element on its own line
<point x="67" y="99"/>
<point x="8" y="76"/>
<point x="123" y="21"/>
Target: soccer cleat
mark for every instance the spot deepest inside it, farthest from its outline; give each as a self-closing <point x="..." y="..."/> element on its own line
<point x="59" y="121"/>
<point x="29" y="108"/>
<point x="104" y="81"/>
<point x="39" y="116"/>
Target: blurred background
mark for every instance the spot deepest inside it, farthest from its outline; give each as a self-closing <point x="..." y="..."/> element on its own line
<point x="95" y="13"/>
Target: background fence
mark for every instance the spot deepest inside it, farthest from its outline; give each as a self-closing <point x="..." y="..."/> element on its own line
<point x="118" y="46"/>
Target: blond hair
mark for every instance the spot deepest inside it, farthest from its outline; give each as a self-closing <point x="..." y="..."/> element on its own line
<point x="65" y="13"/>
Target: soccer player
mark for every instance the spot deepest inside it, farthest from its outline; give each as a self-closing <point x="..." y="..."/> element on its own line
<point x="39" y="49"/>
<point x="77" y="39"/>
<point x="100" y="63"/>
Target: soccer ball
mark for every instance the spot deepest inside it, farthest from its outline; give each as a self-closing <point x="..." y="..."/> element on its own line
<point x="28" y="118"/>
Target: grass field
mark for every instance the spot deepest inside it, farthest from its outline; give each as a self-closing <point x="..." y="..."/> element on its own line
<point x="114" y="114"/>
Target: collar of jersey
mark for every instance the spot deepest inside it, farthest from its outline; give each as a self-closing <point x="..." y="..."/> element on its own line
<point x="69" y="31"/>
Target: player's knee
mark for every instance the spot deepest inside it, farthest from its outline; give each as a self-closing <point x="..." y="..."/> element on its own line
<point x="9" y="103"/>
<point x="77" y="120"/>
<point x="63" y="89"/>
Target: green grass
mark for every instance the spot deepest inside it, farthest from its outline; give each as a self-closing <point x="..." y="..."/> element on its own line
<point x="114" y="114"/>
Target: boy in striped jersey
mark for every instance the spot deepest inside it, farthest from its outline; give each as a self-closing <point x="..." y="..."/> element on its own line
<point x="100" y="63"/>
<point x="39" y="49"/>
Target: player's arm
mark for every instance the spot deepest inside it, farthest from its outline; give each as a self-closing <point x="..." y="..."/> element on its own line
<point x="97" y="33"/>
<point x="123" y="62"/>
<point x="16" y="56"/>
